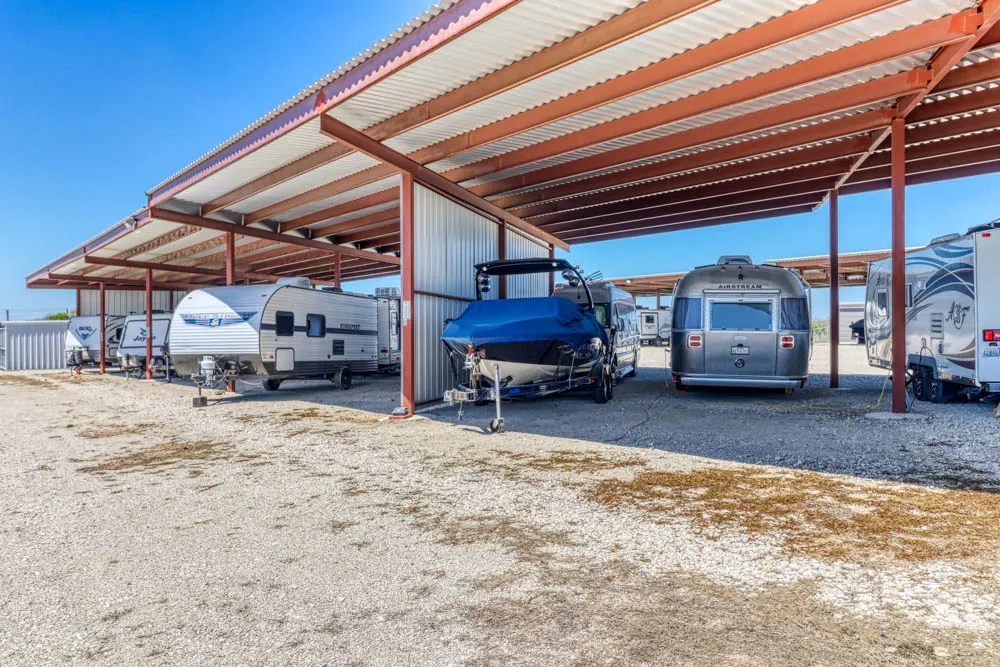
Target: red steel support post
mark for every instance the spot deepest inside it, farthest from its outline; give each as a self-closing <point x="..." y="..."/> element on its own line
<point x="77" y="313"/>
<point x="406" y="237"/>
<point x="104" y="323"/>
<point x="834" y="290"/>
<point x="502" y="254"/>
<point x="149" y="324"/>
<point x="230" y="281"/>
<point x="897" y="299"/>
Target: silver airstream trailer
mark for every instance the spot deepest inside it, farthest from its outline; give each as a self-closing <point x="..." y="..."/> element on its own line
<point x="740" y="324"/>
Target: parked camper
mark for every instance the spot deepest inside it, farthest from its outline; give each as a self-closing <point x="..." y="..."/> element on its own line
<point x="740" y="324"/>
<point x="285" y="331"/>
<point x="132" y="344"/>
<point x="952" y="315"/>
<point x="615" y="310"/>
<point x="654" y="326"/>
<point x="389" y="339"/>
<point x="83" y="337"/>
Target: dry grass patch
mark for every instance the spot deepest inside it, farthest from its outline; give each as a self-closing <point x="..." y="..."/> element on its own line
<point x="821" y="515"/>
<point x="161" y="455"/>
<point x="24" y="381"/>
<point x="334" y="415"/>
<point x="114" y="431"/>
<point x="566" y="460"/>
<point x="530" y="544"/>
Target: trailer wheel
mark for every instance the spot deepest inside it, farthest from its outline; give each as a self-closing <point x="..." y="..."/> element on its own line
<point x="922" y="380"/>
<point x="940" y="392"/>
<point x="272" y="384"/>
<point x="344" y="378"/>
<point x="658" y="342"/>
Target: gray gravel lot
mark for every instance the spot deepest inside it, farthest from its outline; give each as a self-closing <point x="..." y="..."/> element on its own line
<point x="301" y="527"/>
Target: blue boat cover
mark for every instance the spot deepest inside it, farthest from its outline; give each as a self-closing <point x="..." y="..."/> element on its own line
<point x="523" y="320"/>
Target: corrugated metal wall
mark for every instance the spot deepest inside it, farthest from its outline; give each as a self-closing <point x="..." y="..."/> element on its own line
<point x="448" y="240"/>
<point x="32" y="346"/>
<point x="849" y="314"/>
<point x="522" y="287"/>
<point x="124" y="302"/>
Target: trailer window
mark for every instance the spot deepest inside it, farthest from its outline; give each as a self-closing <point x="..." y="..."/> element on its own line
<point x="650" y="319"/>
<point x="882" y="302"/>
<point x="735" y="316"/>
<point x="284" y="323"/>
<point x="315" y="326"/>
<point x="794" y="314"/>
<point x="687" y="313"/>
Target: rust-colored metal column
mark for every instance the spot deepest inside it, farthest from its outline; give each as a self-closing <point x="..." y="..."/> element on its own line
<point x="104" y="324"/>
<point x="502" y="254"/>
<point x="898" y="297"/>
<point x="336" y="269"/>
<point x="834" y="290"/>
<point x="552" y="276"/>
<point x="149" y="324"/>
<point x="230" y="281"/>
<point x="406" y="267"/>
<point x="78" y="299"/>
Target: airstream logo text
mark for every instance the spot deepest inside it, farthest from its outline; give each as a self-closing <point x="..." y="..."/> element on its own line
<point x="741" y="286"/>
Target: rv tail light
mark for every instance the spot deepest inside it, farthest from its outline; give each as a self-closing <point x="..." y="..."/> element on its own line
<point x="383" y="350"/>
<point x="694" y="340"/>
<point x="787" y="342"/>
<point x="991" y="335"/>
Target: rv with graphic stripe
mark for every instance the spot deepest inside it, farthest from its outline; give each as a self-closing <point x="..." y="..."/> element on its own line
<point x="952" y="295"/>
<point x="275" y="332"/>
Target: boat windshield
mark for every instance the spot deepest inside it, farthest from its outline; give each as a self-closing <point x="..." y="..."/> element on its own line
<point x="601" y="313"/>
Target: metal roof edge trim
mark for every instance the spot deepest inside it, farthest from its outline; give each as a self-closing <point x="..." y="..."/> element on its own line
<point x="117" y="231"/>
<point x="432" y="31"/>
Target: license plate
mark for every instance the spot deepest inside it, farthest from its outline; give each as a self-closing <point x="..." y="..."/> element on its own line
<point x="991" y="352"/>
<point x="740" y="349"/>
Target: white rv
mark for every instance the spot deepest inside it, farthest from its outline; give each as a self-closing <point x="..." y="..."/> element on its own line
<point x="83" y="339"/>
<point x="389" y="339"/>
<point x="952" y="315"/>
<point x="132" y="345"/>
<point x="654" y="326"/>
<point x="278" y="332"/>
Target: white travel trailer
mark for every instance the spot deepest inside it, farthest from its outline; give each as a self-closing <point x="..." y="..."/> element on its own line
<point x="285" y="331"/>
<point x="952" y="315"/>
<point x="389" y="339"/>
<point x="654" y="326"/>
<point x="132" y="344"/>
<point x="83" y="337"/>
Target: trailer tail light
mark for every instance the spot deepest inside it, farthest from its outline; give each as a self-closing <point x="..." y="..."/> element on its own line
<point x="694" y="341"/>
<point x="991" y="335"/>
<point x="788" y="342"/>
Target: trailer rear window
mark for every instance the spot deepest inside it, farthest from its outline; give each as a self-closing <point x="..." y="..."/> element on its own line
<point x="284" y="323"/>
<point x="650" y="319"/>
<point x="687" y="313"/>
<point x="315" y="326"/>
<point x="794" y="314"/>
<point x="735" y="316"/>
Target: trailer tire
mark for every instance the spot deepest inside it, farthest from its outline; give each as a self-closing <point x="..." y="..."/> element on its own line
<point x="272" y="384"/>
<point x="922" y="379"/>
<point x="940" y="391"/>
<point x="658" y="342"/>
<point x="344" y="378"/>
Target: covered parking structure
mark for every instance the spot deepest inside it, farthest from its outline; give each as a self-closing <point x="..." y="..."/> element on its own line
<point x="506" y="128"/>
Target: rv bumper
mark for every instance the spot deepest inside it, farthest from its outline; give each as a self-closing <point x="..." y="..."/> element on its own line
<point x="756" y="383"/>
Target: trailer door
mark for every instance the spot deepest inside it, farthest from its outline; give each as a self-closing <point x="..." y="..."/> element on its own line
<point x="740" y="339"/>
<point x="988" y="307"/>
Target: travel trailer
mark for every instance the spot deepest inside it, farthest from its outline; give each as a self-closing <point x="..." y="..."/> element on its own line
<point x="389" y="339"/>
<point x="83" y="339"/>
<point x="952" y="315"/>
<point x="131" y="352"/>
<point x="740" y="324"/>
<point x="654" y="326"/>
<point x="285" y="331"/>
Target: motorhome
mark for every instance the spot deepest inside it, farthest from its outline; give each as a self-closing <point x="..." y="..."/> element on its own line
<point x="83" y="339"/>
<point x="740" y="324"/>
<point x="654" y="326"/>
<point x="952" y="295"/>
<point x="615" y="310"/>
<point x="284" y="331"/>
<point x="131" y="352"/>
<point x="389" y="339"/>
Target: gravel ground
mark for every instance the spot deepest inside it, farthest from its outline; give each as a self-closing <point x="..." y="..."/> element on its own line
<point x="302" y="527"/>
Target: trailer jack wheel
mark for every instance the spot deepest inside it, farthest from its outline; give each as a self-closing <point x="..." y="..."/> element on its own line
<point x="496" y="426"/>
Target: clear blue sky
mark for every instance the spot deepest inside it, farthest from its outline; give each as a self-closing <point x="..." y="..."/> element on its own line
<point x="101" y="101"/>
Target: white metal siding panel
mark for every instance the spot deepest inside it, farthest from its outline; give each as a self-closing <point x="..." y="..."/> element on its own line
<point x="33" y="346"/>
<point x="431" y="373"/>
<point x="124" y="302"/>
<point x="526" y="286"/>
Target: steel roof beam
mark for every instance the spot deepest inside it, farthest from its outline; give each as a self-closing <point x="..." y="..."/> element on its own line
<point x="97" y="280"/>
<point x="357" y="223"/>
<point x="370" y="233"/>
<point x="353" y="206"/>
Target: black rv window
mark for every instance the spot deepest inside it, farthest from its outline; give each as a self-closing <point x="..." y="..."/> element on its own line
<point x="736" y="316"/>
<point x="316" y="326"/>
<point x="794" y="314"/>
<point x="650" y="319"/>
<point x="285" y="323"/>
<point x="338" y="347"/>
<point x="687" y="313"/>
<point x="882" y="301"/>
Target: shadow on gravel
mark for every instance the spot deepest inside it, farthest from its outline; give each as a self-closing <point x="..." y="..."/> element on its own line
<point x="814" y="428"/>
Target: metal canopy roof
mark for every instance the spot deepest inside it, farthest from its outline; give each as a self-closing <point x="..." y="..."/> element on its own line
<point x="576" y="121"/>
<point x="853" y="270"/>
